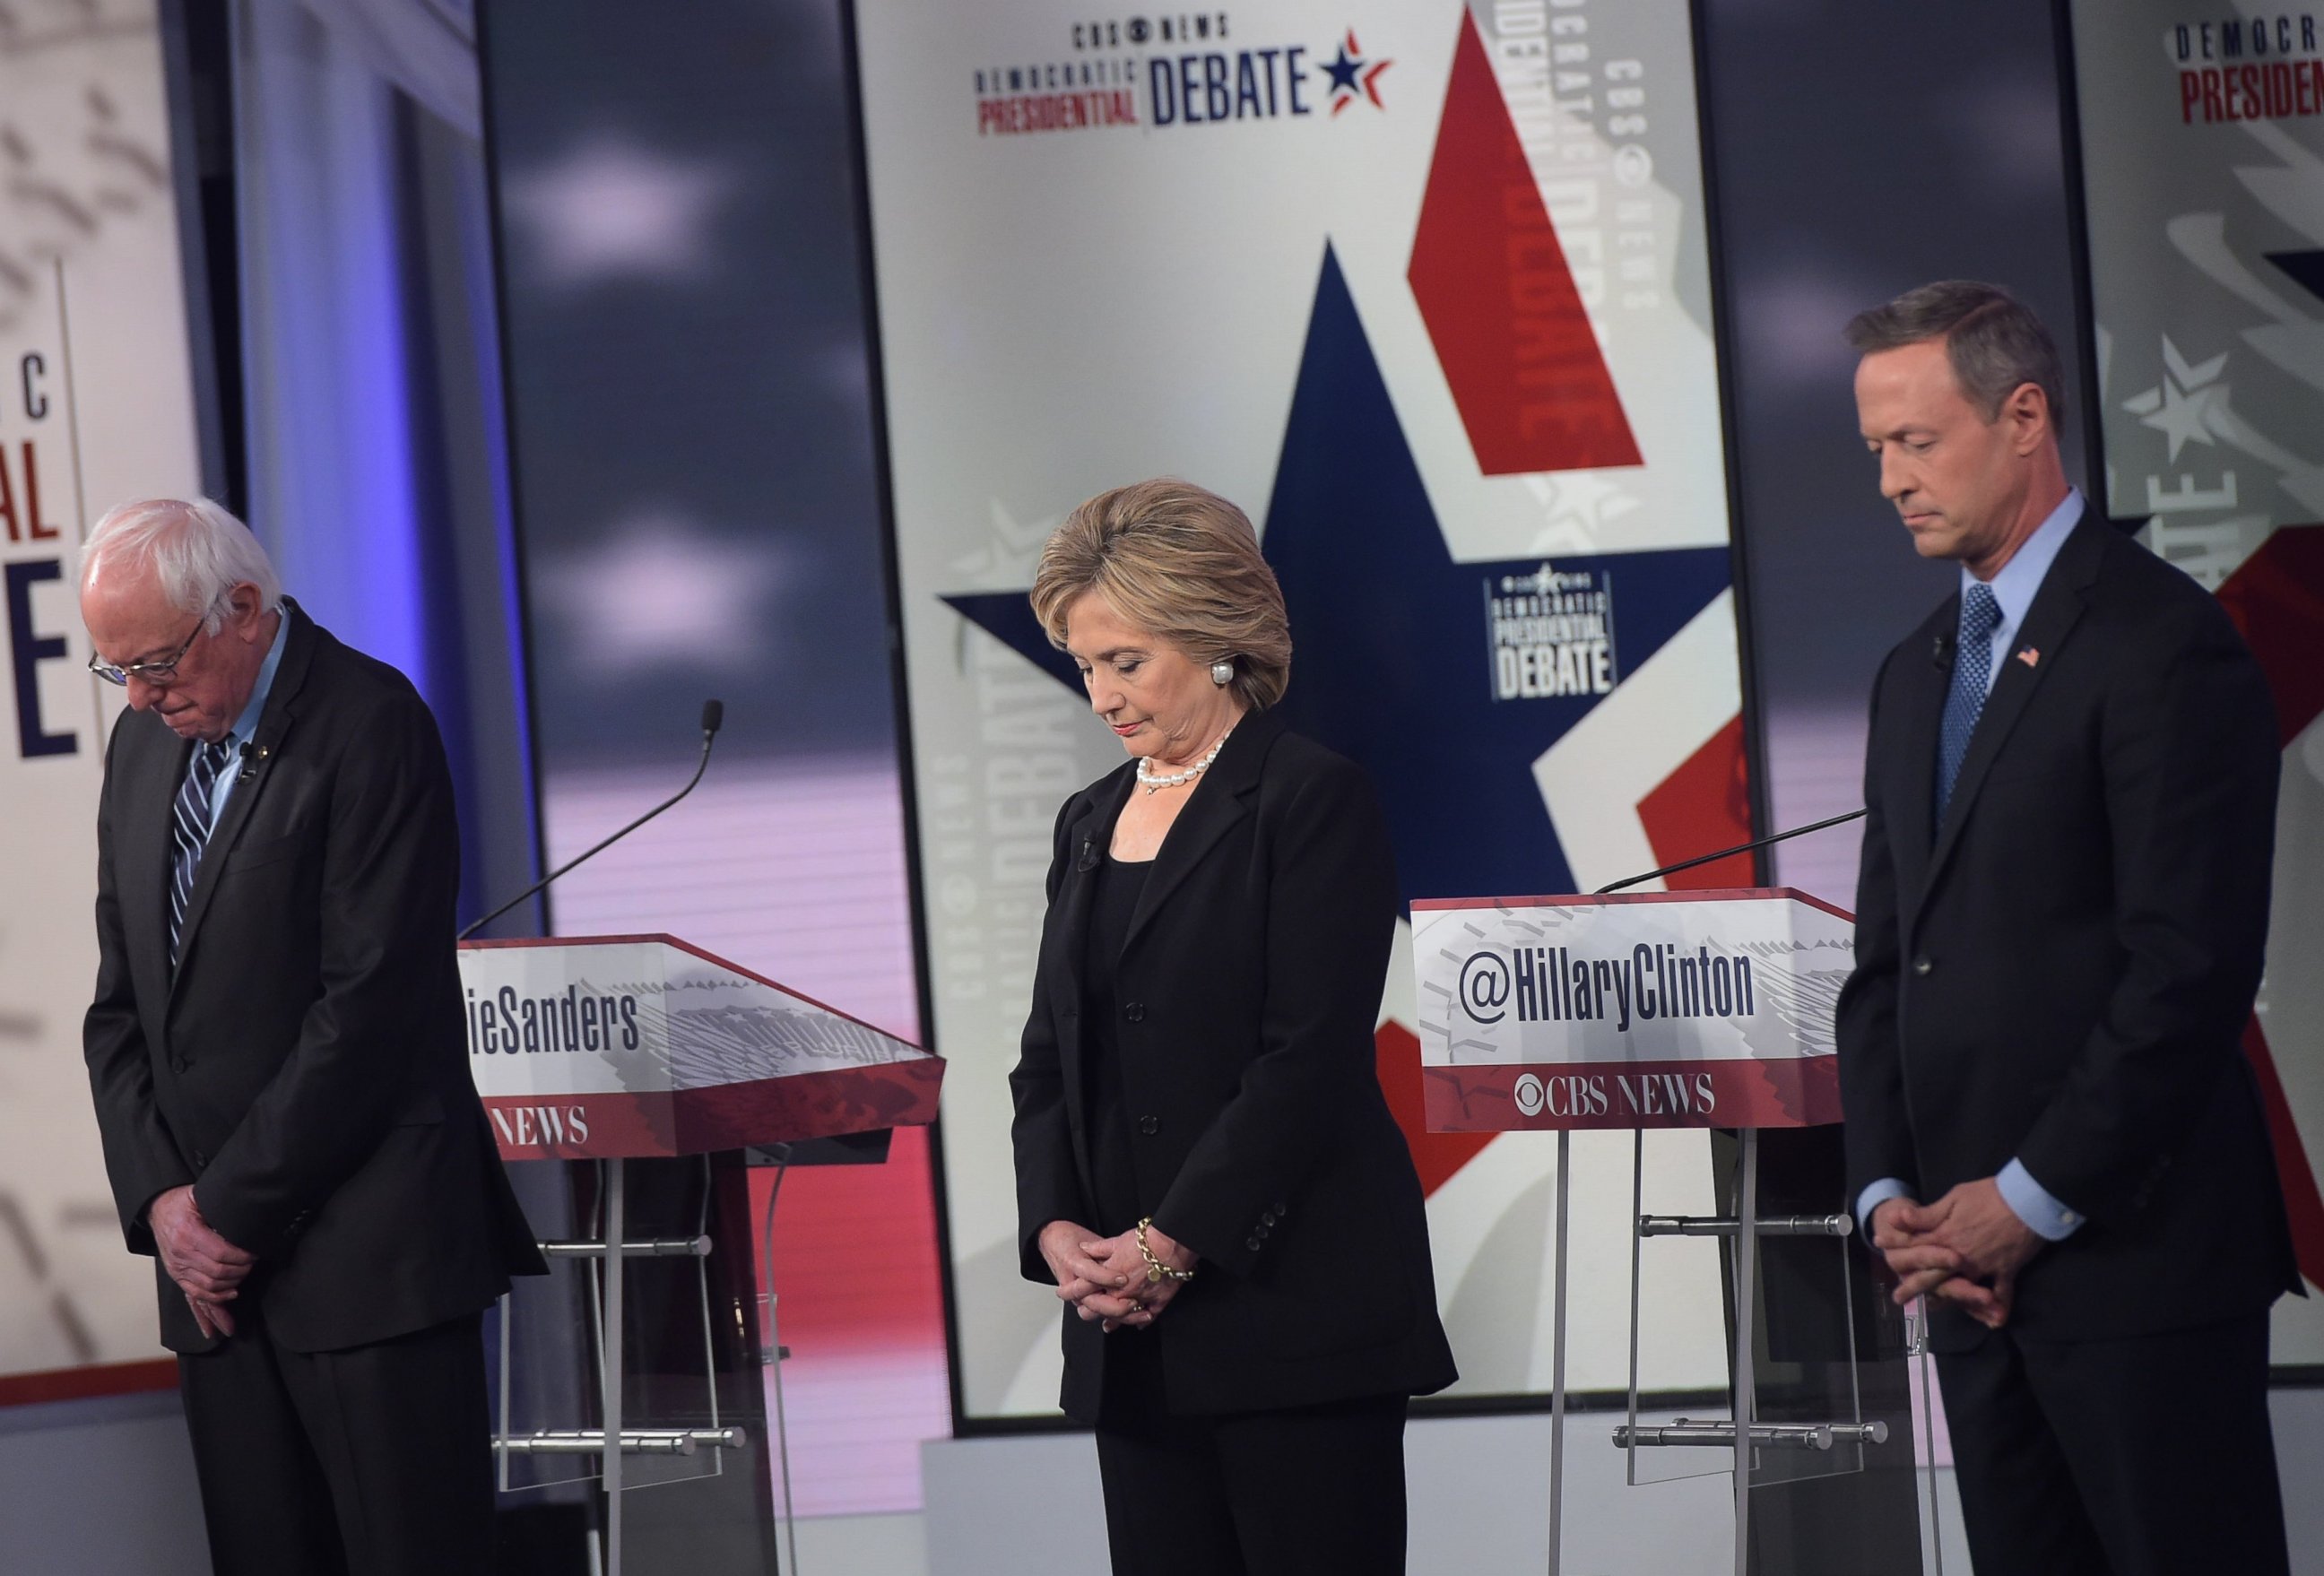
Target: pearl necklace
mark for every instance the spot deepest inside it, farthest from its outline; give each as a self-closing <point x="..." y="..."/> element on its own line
<point x="1153" y="781"/>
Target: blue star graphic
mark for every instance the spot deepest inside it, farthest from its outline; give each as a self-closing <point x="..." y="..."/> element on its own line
<point x="1343" y="71"/>
<point x="1392" y="666"/>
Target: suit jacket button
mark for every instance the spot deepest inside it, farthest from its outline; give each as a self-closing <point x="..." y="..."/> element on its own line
<point x="1267" y="1219"/>
<point x="1921" y="965"/>
<point x="1150" y="1125"/>
<point x="1281" y="1211"/>
<point x="200" y="1159"/>
<point x="1135" y="1011"/>
<point x="1260" y="1232"/>
<point x="1252" y="1243"/>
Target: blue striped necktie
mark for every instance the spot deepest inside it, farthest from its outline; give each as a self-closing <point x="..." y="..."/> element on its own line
<point x="1972" y="677"/>
<point x="189" y="829"/>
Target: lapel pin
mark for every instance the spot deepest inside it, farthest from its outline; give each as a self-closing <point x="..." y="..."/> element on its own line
<point x="2029" y="656"/>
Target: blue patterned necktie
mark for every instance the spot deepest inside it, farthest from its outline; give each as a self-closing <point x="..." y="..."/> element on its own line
<point x="189" y="829"/>
<point x="1972" y="677"/>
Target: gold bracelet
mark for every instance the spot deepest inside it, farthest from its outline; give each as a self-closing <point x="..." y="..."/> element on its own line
<point x="1155" y="1268"/>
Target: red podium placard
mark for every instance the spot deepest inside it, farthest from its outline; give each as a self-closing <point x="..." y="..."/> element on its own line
<point x="616" y="1046"/>
<point x="1650" y="1009"/>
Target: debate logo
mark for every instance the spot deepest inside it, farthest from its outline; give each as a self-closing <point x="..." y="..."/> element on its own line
<point x="1172" y="72"/>
<point x="1551" y="633"/>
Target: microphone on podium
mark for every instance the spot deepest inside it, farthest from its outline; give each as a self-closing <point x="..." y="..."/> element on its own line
<point x="1756" y="843"/>
<point x="714" y="715"/>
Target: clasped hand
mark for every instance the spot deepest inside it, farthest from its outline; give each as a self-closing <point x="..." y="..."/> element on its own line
<point x="1105" y="1277"/>
<point x="1967" y="1248"/>
<point x="206" y="1267"/>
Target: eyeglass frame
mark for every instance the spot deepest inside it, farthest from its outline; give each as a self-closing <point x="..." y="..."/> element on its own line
<point x="159" y="674"/>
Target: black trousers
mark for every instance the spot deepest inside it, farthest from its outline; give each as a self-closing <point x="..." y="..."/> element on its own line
<point x="1306" y="1491"/>
<point x="2149" y="1456"/>
<point x="371" y="1461"/>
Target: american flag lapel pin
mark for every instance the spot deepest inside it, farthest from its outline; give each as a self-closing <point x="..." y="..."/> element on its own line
<point x="2029" y="656"/>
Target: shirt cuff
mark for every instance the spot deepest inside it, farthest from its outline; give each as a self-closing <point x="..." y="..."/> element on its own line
<point x="2032" y="1204"/>
<point x="1874" y="1195"/>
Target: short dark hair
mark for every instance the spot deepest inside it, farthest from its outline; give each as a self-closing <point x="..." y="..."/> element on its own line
<point x="1995" y="344"/>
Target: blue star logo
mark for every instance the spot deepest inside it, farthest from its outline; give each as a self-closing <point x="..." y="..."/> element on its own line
<point x="1353" y="76"/>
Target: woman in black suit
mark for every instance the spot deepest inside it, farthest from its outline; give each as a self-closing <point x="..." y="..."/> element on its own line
<point x="1206" y="1169"/>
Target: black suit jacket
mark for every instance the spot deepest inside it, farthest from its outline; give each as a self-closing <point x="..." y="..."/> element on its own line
<point x="306" y="1069"/>
<point x="1249" y="986"/>
<point x="2060" y="973"/>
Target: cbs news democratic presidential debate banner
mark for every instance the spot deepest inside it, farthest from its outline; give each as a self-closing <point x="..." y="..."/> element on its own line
<point x="2202" y="140"/>
<point x="95" y="408"/>
<point x="1641" y="1010"/>
<point x="1423" y="286"/>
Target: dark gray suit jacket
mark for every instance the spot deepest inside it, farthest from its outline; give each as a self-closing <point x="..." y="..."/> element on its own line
<point x="2062" y="971"/>
<point x="306" y="1069"/>
<point x="1247" y="990"/>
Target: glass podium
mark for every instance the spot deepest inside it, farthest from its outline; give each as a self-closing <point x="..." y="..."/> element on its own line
<point x="1721" y="1019"/>
<point x="637" y="1363"/>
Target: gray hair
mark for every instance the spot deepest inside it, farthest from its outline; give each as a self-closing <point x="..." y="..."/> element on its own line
<point x="1995" y="344"/>
<point x="194" y="548"/>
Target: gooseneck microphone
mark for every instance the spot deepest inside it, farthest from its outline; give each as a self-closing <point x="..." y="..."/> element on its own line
<point x="1739" y="848"/>
<point x="713" y="713"/>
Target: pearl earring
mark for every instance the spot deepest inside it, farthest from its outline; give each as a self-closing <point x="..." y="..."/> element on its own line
<point x="1222" y="673"/>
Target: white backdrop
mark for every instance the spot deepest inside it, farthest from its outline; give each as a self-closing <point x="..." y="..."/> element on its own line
<point x="95" y="408"/>
<point x="1126" y="294"/>
<point x="2204" y="194"/>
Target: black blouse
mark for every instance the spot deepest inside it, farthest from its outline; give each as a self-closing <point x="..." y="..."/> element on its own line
<point x="1118" y="884"/>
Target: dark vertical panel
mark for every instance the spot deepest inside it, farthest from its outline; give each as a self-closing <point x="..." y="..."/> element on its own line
<point x="1860" y="151"/>
<point x="688" y="365"/>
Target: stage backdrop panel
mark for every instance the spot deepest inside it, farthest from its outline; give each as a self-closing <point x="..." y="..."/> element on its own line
<point x="95" y="408"/>
<point x="1423" y="286"/>
<point x="2203" y="193"/>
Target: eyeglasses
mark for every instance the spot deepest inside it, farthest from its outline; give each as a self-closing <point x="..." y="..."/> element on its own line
<point x="161" y="673"/>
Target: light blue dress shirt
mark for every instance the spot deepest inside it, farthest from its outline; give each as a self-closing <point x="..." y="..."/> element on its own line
<point x="2013" y="588"/>
<point x="245" y="726"/>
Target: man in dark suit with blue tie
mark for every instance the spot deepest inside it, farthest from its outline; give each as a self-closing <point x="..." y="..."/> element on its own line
<point x="277" y="1054"/>
<point x="2061" y="921"/>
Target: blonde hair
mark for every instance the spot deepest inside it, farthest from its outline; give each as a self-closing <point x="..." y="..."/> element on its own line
<point x="1182" y="563"/>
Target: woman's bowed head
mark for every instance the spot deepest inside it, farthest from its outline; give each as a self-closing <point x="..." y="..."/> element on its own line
<point x="1160" y="594"/>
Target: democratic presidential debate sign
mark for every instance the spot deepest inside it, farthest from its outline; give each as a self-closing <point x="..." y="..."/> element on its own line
<point x="1423" y="286"/>
<point x="2202" y="152"/>
<point x="617" y="1046"/>
<point x="97" y="408"/>
<point x="1644" y="1010"/>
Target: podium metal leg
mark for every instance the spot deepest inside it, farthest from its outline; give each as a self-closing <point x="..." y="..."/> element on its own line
<point x="1747" y="1276"/>
<point x="1557" y="1357"/>
<point x="611" y="1376"/>
<point x="771" y="1350"/>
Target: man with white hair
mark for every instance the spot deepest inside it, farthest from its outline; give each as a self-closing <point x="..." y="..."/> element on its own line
<point x="277" y="1054"/>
